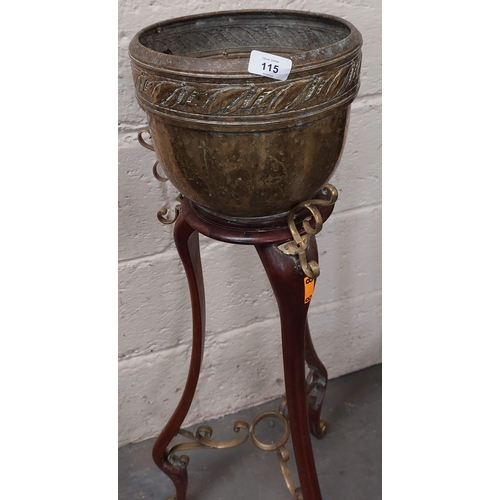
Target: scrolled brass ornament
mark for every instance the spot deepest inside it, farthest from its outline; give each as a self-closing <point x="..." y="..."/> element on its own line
<point x="283" y="457"/>
<point x="202" y="439"/>
<point x="164" y="212"/>
<point x="273" y="446"/>
<point x="300" y="243"/>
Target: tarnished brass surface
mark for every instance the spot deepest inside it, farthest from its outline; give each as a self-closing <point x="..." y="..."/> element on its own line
<point x="238" y="144"/>
<point x="283" y="457"/>
<point x="300" y="243"/>
<point x="270" y="447"/>
<point x="201" y="438"/>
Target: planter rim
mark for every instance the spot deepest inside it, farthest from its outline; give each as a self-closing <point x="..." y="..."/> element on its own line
<point x="238" y="68"/>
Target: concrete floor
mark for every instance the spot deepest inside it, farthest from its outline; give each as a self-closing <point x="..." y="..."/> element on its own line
<point x="348" y="458"/>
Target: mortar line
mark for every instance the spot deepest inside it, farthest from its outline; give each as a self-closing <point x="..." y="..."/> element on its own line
<point x="318" y="308"/>
<point x="367" y="96"/>
<point x="147" y="256"/>
<point x="156" y="255"/>
<point x="354" y="209"/>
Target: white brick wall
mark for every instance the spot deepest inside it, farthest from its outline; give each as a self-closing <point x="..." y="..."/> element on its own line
<point x="242" y="322"/>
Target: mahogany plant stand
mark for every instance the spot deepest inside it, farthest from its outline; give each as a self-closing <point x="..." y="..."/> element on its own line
<point x="300" y="411"/>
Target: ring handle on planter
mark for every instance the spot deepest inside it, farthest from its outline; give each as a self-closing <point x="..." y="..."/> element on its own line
<point x="142" y="142"/>
<point x="157" y="176"/>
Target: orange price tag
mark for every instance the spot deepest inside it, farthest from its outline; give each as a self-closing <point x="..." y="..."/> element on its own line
<point x="308" y="289"/>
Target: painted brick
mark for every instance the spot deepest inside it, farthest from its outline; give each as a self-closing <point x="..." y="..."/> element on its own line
<point x="154" y="298"/>
<point x="350" y="255"/>
<point x="152" y="306"/>
<point x="359" y="174"/>
<point x="140" y="197"/>
<point x="346" y="334"/>
<point x="150" y="388"/>
<point x="242" y="368"/>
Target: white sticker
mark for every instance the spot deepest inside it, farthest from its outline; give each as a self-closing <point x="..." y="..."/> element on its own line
<point x="270" y="65"/>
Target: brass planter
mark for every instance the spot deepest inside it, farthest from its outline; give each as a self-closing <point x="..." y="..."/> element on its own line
<point x="239" y="144"/>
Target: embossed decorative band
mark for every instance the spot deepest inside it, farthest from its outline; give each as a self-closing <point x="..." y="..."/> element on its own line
<point x="250" y="99"/>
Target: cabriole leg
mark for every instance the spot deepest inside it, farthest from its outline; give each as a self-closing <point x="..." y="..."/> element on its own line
<point x="288" y="282"/>
<point x="187" y="242"/>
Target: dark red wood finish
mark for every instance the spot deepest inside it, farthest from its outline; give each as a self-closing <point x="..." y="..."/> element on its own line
<point x="187" y="242"/>
<point x="287" y="280"/>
